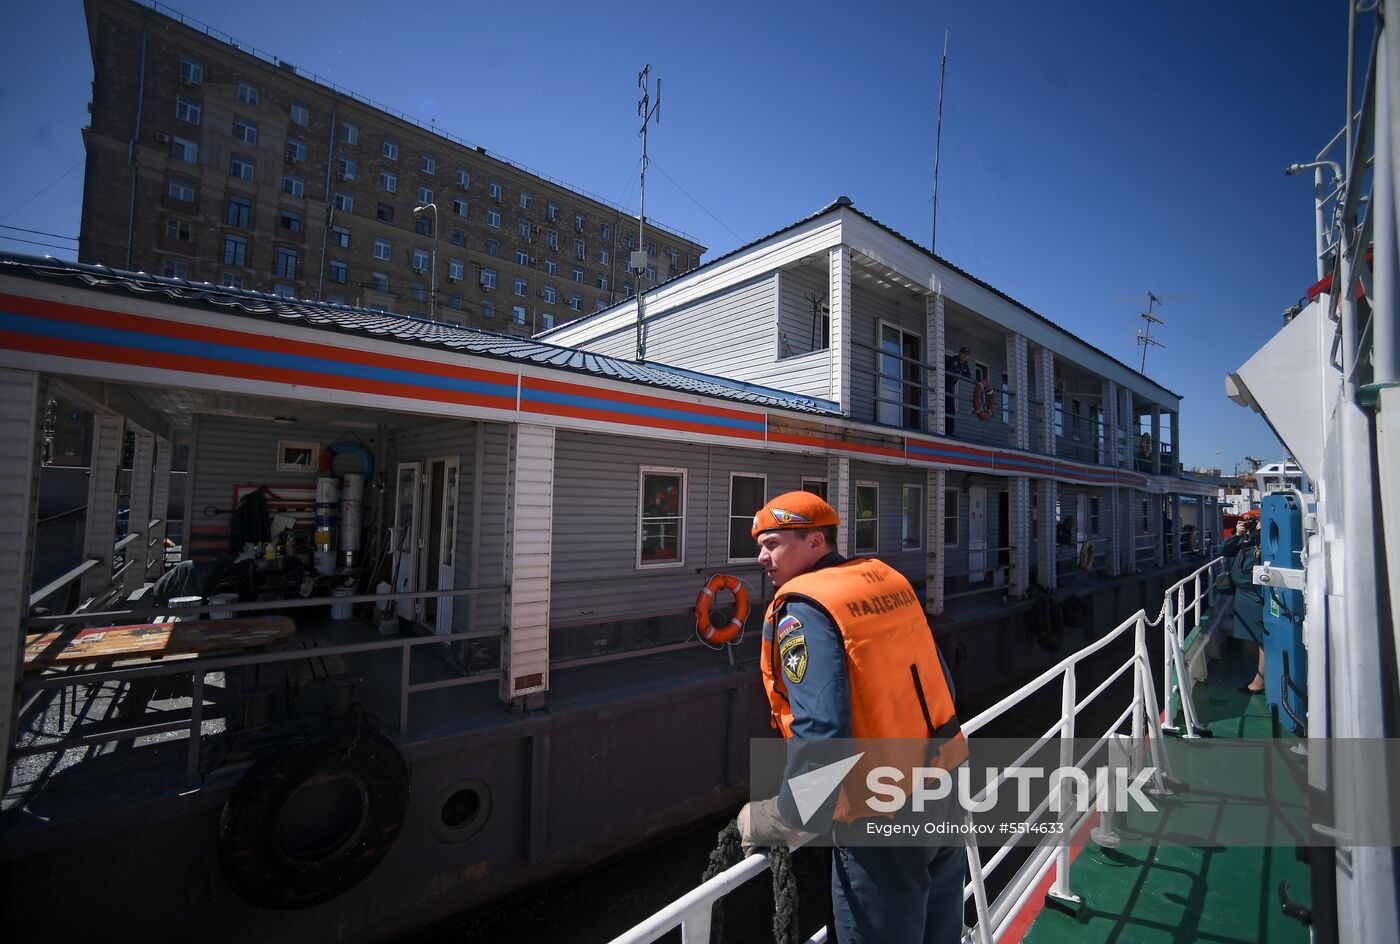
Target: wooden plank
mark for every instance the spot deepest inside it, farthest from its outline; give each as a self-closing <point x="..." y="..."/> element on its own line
<point x="106" y="643"/>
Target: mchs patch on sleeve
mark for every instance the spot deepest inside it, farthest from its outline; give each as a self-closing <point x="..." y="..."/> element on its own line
<point x="792" y="653"/>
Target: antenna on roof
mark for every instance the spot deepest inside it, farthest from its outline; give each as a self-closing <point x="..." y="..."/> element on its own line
<point x="646" y="110"/>
<point x="938" y="144"/>
<point x="1144" y="335"/>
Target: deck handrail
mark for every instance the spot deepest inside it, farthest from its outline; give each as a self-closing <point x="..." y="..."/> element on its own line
<point x="691" y="913"/>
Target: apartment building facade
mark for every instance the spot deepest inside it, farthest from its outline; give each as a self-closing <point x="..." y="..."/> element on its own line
<point x="211" y="162"/>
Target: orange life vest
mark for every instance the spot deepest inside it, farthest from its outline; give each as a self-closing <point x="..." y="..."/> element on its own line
<point x="897" y="685"/>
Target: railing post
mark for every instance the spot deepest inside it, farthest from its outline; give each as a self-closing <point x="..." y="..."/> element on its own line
<point x="983" y="931"/>
<point x="695" y="926"/>
<point x="1151" y="712"/>
<point x="196" y="729"/>
<point x="1060" y="890"/>
<point x="403" y="690"/>
<point x="1167" y="716"/>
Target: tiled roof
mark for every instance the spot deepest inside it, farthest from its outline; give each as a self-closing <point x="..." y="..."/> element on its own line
<point x="397" y="328"/>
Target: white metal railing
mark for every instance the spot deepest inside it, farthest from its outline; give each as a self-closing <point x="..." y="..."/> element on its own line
<point x="1189" y="598"/>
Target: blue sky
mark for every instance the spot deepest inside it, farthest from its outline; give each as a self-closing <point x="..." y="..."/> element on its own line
<point x="1092" y="152"/>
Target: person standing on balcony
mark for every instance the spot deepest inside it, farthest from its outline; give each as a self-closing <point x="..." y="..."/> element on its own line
<point x="848" y="653"/>
<point x="954" y="366"/>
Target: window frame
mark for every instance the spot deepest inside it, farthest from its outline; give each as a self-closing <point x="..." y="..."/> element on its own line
<point x="388" y="250"/>
<point x="248" y="93"/>
<point x="389" y="150"/>
<point x="182" y="185"/>
<point x="184" y="150"/>
<point x="245" y="131"/>
<point x="857" y="521"/>
<point x="642" y="473"/>
<point x="952" y="502"/>
<point x="294" y="186"/>
<point x="243" y="207"/>
<point x="746" y="517"/>
<point x="235" y="164"/>
<point x="343" y="202"/>
<point x="300" y="114"/>
<point x="919" y="519"/>
<point x="191" y="71"/>
<point x="825" y="483"/>
<point x="919" y="409"/>
<point x="188" y="110"/>
<point x="287" y="262"/>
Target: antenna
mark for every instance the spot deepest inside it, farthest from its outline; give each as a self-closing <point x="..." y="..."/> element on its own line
<point x="938" y="144"/>
<point x="1144" y="335"/>
<point x="638" y="261"/>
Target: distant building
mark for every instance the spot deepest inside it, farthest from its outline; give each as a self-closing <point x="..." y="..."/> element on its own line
<point x="209" y="161"/>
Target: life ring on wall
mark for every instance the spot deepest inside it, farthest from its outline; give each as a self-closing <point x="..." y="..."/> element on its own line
<point x="705" y="600"/>
<point x="1087" y="555"/>
<point x="1145" y="450"/>
<point x="273" y="867"/>
<point x="984" y="400"/>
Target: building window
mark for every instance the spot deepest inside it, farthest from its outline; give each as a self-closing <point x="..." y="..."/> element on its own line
<point x="388" y="182"/>
<point x="345" y="168"/>
<point x="576" y="301"/>
<point x="283" y="290"/>
<point x="286" y="262"/>
<point x="521" y="286"/>
<point x="382" y="249"/>
<point x="551" y="238"/>
<point x="247" y="94"/>
<point x="245" y="131"/>
<point x="950" y="517"/>
<point x="296" y="150"/>
<point x="547" y="320"/>
<point x="459" y="237"/>
<point x="293" y="185"/>
<point x="417" y="292"/>
<point x="348" y="133"/>
<point x="579" y="222"/>
<point x="491" y="247"/>
<point x="231" y="279"/>
<point x="493" y="219"/>
<point x="746" y="496"/>
<point x="522" y="257"/>
<point x="899" y="378"/>
<point x="661" y="517"/>
<point x="182" y="190"/>
<point x="339" y="271"/>
<point x="911" y="521"/>
<point x="240" y="168"/>
<point x="493" y="190"/>
<point x="605" y="231"/>
<point x="580" y="250"/>
<point x="379" y="281"/>
<point x="191" y="71"/>
<point x="425" y="195"/>
<point x="817" y="487"/>
<point x="391" y="149"/>
<point x="174" y="269"/>
<point x="675" y="259"/>
<point x="548" y="294"/>
<point x="177" y="229"/>
<point x="1094" y="517"/>
<point x="523" y="228"/>
<point x="420" y="260"/>
<point x="340" y="236"/>
<point x="578" y="276"/>
<point x="550" y="267"/>
<point x="602" y="257"/>
<point x="344" y="202"/>
<point x="518" y="313"/>
<point x="651" y="274"/>
<point x="488" y="279"/>
<point x="867" y="517"/>
<point x="651" y="250"/>
<point x="631" y="242"/>
<point x="384" y="213"/>
<point x="301" y="115"/>
<point x="626" y="289"/>
<point x="187" y="109"/>
<point x="600" y="304"/>
<point x="602" y="283"/>
<point x="429" y="165"/>
<point x="183" y="149"/>
<point x="524" y="199"/>
<point x="239" y="209"/>
<point x="235" y="250"/>
<point x="423" y="225"/>
<point x="456" y="270"/>
<point x="488" y="308"/>
<point x="459" y="206"/>
<point x="1146" y="517"/>
<point x="454" y="300"/>
<point x="551" y="212"/>
<point x="289" y="220"/>
<point x="464" y="179"/>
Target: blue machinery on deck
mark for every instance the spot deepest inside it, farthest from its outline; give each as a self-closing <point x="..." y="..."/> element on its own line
<point x="1280" y="575"/>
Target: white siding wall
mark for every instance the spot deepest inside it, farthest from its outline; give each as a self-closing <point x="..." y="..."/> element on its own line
<point x="913" y="564"/>
<point x="871" y="308"/>
<point x="20" y="424"/>
<point x="530" y="540"/>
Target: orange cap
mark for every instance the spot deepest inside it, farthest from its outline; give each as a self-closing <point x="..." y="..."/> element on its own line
<point x="794" y="510"/>
<point x="1252" y="513"/>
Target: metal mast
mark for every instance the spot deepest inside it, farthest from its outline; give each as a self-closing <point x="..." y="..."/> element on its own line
<point x="938" y="144"/>
<point x="638" y="261"/>
<point x="1144" y="335"/>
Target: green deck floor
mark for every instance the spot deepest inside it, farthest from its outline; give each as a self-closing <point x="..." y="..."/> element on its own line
<point x="1178" y="893"/>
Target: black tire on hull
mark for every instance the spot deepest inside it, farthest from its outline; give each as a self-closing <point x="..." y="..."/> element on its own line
<point x="253" y="859"/>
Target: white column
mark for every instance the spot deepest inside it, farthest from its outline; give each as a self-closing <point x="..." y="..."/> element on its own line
<point x="1018" y="375"/>
<point x="839" y="300"/>
<point x="138" y="516"/>
<point x="1176" y="528"/>
<point x="22" y="399"/>
<point x="1128" y="529"/>
<point x="1156" y="439"/>
<point x="1111" y="437"/>
<point x="1130" y="430"/>
<point x="1020" y="533"/>
<point x="1045" y="546"/>
<point x="1044" y="437"/>
<point x="100" y="529"/>
<point x="160" y="507"/>
<point x="529" y="548"/>
<point x="1114" y="552"/>
<point x="937" y="325"/>
<point x="937" y="482"/>
<point x="838" y="484"/>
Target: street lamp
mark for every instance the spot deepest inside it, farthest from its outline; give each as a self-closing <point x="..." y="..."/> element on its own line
<point x="432" y="290"/>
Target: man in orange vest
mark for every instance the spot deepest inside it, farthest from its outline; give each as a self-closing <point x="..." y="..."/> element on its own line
<point x="848" y="653"/>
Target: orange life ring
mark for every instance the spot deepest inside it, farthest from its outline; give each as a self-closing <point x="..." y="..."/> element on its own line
<point x="984" y="400"/>
<point x="706" y="599"/>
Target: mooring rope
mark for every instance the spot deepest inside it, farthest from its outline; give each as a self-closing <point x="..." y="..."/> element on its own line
<point x="727" y="853"/>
